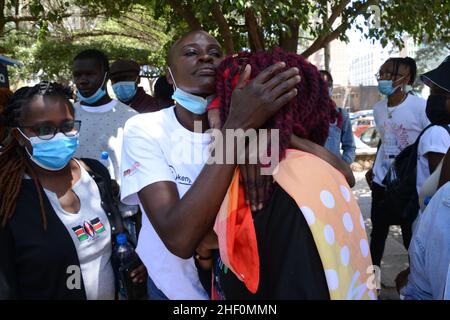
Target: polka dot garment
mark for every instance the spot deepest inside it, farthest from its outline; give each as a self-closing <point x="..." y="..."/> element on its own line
<point x="335" y="220"/>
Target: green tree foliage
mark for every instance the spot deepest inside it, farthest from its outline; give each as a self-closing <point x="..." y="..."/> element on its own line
<point x="46" y="47"/>
<point x="144" y="28"/>
<point x="260" y="24"/>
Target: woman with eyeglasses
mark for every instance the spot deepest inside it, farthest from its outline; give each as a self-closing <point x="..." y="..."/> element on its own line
<point x="57" y="218"/>
<point x="399" y="118"/>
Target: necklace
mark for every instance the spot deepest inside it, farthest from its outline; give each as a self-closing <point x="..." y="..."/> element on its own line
<point x="389" y="113"/>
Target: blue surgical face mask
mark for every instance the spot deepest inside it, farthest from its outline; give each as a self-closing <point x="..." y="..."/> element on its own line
<point x="100" y="93"/>
<point x="386" y="87"/>
<point x="53" y="154"/>
<point x="193" y="103"/>
<point x="125" y="90"/>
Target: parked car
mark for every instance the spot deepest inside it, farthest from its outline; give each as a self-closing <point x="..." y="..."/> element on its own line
<point x="370" y="136"/>
<point x="361" y="124"/>
<point x="360" y="114"/>
<point x="362" y="149"/>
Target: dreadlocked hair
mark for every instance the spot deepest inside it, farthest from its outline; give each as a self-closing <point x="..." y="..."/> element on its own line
<point x="308" y="115"/>
<point x="408" y="62"/>
<point x="14" y="161"/>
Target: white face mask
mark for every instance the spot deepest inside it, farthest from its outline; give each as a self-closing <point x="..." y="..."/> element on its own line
<point x="190" y="102"/>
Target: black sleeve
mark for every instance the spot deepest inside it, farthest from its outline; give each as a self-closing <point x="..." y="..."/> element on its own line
<point x="7" y="274"/>
<point x="110" y="198"/>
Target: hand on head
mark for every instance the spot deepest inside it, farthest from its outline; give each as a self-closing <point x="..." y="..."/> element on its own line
<point x="253" y="104"/>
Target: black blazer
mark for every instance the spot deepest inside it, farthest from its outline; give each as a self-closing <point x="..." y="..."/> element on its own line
<point x="34" y="263"/>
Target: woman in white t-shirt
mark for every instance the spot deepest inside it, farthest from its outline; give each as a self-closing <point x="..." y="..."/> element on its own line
<point x="435" y="141"/>
<point x="57" y="216"/>
<point x="400" y="118"/>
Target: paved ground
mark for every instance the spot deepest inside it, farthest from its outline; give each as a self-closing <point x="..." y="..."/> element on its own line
<point x="395" y="257"/>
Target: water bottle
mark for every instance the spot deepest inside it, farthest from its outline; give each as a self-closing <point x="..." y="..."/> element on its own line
<point x="128" y="213"/>
<point x="106" y="161"/>
<point x="127" y="260"/>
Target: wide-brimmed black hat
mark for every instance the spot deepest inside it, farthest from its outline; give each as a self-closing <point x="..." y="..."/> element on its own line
<point x="439" y="76"/>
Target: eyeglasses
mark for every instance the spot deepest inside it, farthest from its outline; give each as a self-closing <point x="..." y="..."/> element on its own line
<point x="47" y="132"/>
<point x="387" y="75"/>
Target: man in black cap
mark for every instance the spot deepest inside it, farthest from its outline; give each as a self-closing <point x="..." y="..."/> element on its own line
<point x="429" y="252"/>
<point x="124" y="76"/>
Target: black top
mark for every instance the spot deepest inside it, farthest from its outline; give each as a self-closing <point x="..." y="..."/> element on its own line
<point x="34" y="262"/>
<point x="290" y="265"/>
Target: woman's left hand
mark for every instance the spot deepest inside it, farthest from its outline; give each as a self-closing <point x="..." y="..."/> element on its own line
<point x="139" y="275"/>
<point x="256" y="185"/>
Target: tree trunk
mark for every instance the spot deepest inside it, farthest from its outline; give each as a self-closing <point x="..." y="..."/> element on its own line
<point x="254" y="32"/>
<point x="289" y="42"/>
<point x="324" y="39"/>
<point x="326" y="50"/>
<point x="2" y="18"/>
<point x="16" y="10"/>
<point x="224" y="28"/>
<point x="327" y="57"/>
<point x="187" y="14"/>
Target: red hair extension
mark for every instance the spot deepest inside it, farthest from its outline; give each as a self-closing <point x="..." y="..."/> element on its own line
<point x="308" y="115"/>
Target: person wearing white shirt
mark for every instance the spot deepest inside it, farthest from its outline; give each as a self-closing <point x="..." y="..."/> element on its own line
<point x="102" y="121"/>
<point x="435" y="142"/>
<point x="164" y="165"/>
<point x="400" y="118"/>
<point x="102" y="118"/>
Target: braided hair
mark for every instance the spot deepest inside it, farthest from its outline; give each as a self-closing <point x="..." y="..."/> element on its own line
<point x="308" y="115"/>
<point x="13" y="159"/>
<point x="408" y="62"/>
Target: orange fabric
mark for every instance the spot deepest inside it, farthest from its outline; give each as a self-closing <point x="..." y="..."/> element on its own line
<point x="237" y="237"/>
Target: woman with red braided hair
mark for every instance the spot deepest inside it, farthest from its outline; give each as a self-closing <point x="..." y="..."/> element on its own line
<point x="181" y="196"/>
<point x="283" y="254"/>
<point x="307" y="115"/>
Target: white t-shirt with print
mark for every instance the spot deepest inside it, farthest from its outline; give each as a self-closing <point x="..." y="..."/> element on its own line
<point x="158" y="148"/>
<point x="102" y="130"/>
<point x="91" y="233"/>
<point x="401" y="130"/>
<point x="435" y="139"/>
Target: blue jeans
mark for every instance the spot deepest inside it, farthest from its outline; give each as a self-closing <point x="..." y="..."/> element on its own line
<point x="153" y="292"/>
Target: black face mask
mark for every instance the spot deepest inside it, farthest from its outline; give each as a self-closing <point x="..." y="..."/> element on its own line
<point x="437" y="110"/>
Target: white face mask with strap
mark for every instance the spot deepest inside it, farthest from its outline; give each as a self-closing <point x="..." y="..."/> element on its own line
<point x="190" y="102"/>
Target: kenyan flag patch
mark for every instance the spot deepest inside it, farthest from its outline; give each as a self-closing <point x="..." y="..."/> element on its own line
<point x="98" y="226"/>
<point x="80" y="233"/>
<point x="89" y="229"/>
